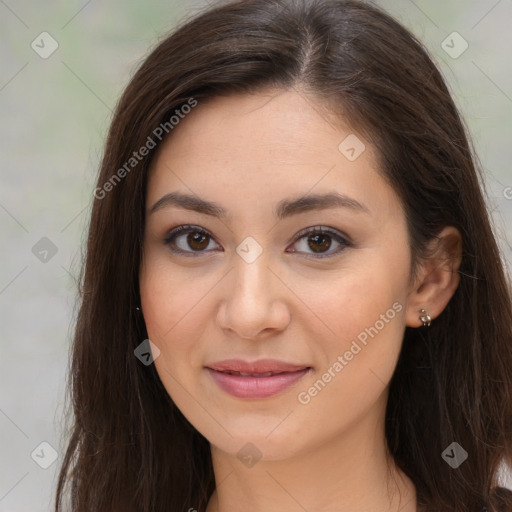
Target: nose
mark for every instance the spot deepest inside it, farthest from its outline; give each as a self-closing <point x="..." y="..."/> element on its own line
<point x="254" y="301"/>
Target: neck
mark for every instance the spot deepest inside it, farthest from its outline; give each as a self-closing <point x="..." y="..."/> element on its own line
<point x="351" y="472"/>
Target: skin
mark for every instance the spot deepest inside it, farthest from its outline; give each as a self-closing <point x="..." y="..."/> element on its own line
<point x="246" y="153"/>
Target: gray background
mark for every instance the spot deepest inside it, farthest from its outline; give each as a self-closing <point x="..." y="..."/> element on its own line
<point x="55" y="114"/>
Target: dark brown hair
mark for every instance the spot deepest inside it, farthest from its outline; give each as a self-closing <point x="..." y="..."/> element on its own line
<point x="130" y="448"/>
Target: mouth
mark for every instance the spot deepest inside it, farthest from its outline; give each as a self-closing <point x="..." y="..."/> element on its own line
<point x="256" y="380"/>
<point x="244" y="374"/>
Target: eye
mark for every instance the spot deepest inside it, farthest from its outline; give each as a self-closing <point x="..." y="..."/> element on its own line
<point x="196" y="239"/>
<point x="188" y="240"/>
<point x="320" y="240"/>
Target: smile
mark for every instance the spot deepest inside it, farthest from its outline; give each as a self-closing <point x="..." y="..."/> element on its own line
<point x="260" y="379"/>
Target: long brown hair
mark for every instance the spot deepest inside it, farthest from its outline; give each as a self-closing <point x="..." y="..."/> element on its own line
<point x="130" y="448"/>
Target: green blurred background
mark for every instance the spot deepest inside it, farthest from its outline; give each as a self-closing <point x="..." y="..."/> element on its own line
<point x="54" y="117"/>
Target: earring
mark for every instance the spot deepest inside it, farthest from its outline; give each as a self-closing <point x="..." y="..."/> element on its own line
<point x="137" y="308"/>
<point x="425" y="318"/>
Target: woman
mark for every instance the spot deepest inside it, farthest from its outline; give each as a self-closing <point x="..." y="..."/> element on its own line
<point x="288" y="208"/>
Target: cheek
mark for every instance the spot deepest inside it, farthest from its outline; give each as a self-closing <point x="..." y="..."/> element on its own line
<point x="170" y="298"/>
<point x="175" y="311"/>
<point x="357" y="300"/>
<point x="358" y="360"/>
<point x="364" y="312"/>
<point x="170" y="301"/>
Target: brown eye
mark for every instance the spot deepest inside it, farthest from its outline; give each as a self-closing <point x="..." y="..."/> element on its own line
<point x="196" y="240"/>
<point x="313" y="242"/>
<point x="317" y="241"/>
<point x="188" y="240"/>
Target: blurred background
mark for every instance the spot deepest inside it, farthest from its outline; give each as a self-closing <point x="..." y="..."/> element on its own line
<point x="63" y="67"/>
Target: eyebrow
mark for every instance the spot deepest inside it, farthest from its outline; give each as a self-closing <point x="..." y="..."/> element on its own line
<point x="285" y="208"/>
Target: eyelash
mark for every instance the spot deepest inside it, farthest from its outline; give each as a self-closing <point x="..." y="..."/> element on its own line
<point x="185" y="229"/>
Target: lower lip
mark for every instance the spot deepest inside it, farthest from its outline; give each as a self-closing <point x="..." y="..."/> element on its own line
<point x="256" y="387"/>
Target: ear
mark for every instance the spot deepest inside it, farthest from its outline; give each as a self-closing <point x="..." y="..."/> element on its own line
<point x="437" y="277"/>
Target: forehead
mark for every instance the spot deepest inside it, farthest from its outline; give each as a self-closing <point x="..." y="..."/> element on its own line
<point x="271" y="144"/>
<point x="272" y="122"/>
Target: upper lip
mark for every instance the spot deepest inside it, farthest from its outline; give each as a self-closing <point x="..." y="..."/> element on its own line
<point x="255" y="367"/>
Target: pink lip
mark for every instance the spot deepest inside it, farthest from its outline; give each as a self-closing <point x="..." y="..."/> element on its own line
<point x="255" y="385"/>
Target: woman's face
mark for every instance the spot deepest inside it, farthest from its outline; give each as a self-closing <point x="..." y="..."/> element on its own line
<point x="275" y="338"/>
